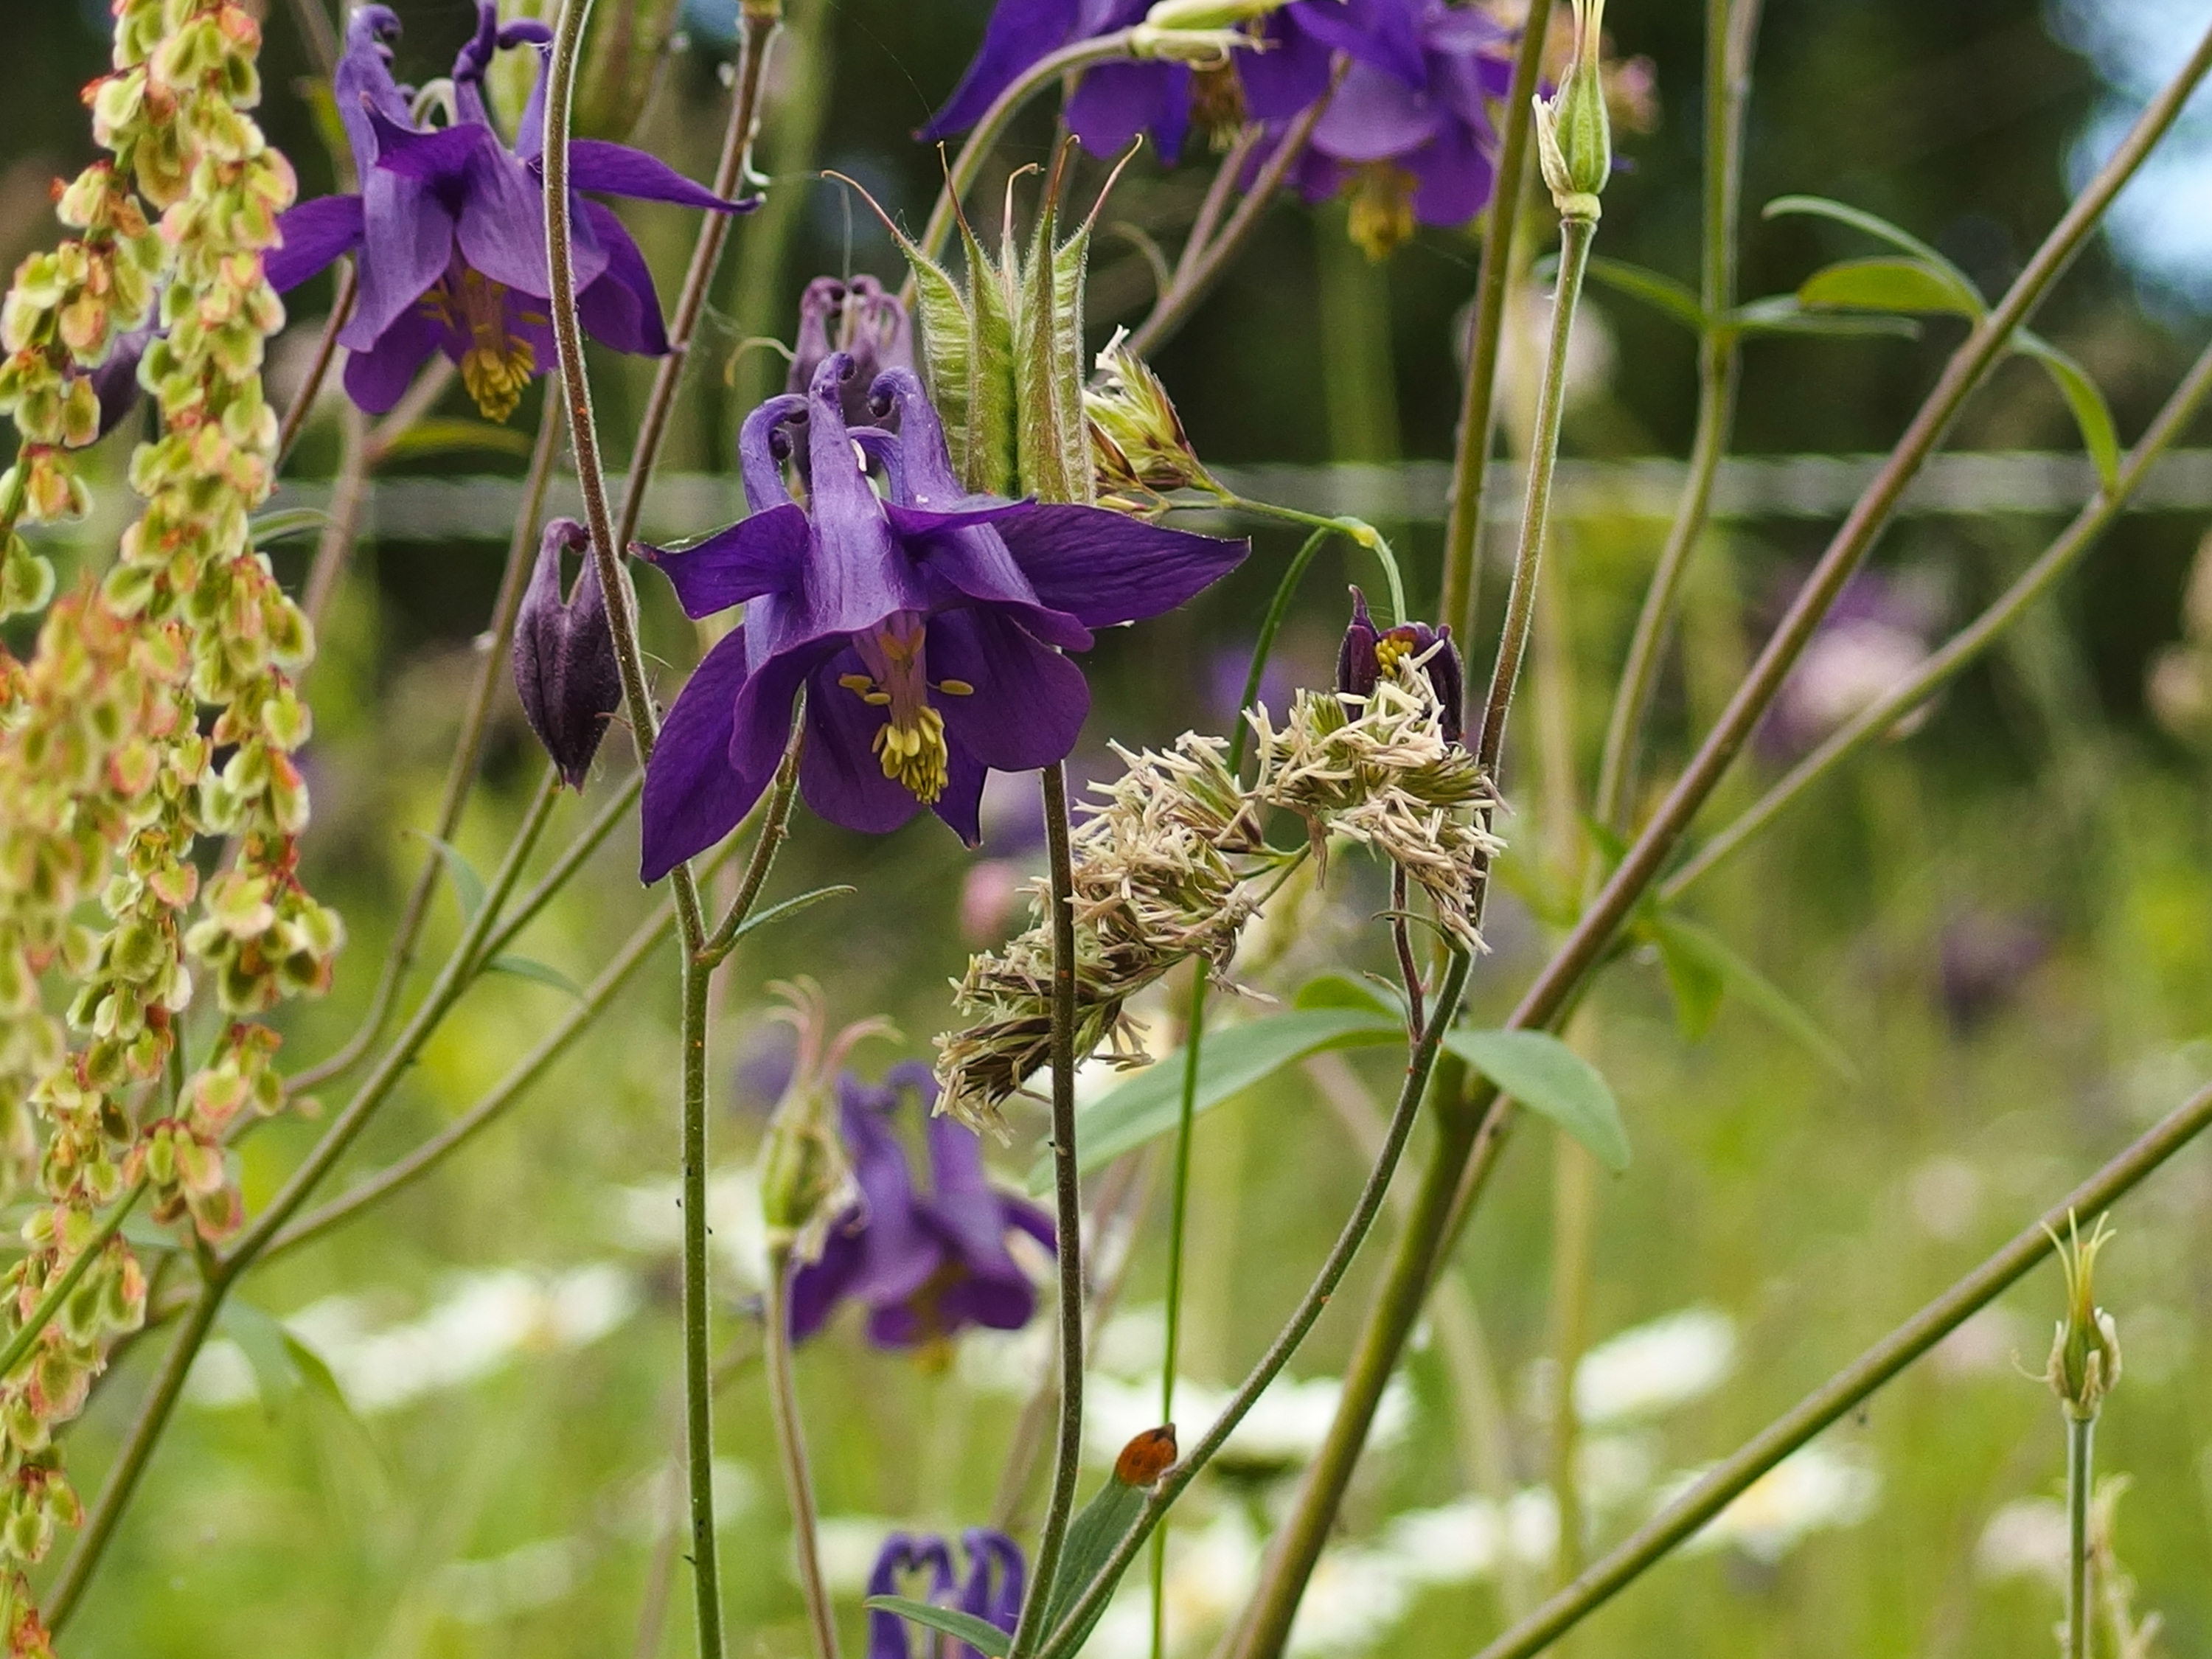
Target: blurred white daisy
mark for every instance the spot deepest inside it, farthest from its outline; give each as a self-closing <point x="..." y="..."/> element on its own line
<point x="2026" y="1539"/>
<point x="1815" y="1490"/>
<point x="1655" y="1367"/>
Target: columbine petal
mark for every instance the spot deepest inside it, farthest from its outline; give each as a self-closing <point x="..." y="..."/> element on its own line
<point x="1290" y="74"/>
<point x="407" y="243"/>
<point x="314" y="234"/>
<point x="1117" y="101"/>
<point x="1453" y="177"/>
<point x="693" y="796"/>
<point x="621" y="308"/>
<point x="858" y="578"/>
<point x="1382" y="32"/>
<point x="377" y="378"/>
<point x="1019" y="32"/>
<point x="840" y="777"/>
<point x="1374" y="118"/>
<point x="619" y="170"/>
<point x="1104" y="568"/>
<point x="363" y="81"/>
<point x="764" y="554"/>
<point x="1029" y="702"/>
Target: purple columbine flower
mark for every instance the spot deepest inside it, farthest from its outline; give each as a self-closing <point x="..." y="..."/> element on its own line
<point x="926" y="627"/>
<point x="1413" y="147"/>
<point x="857" y="317"/>
<point x="991" y="1591"/>
<point x="926" y="1264"/>
<point x="1116" y="101"/>
<point x="450" y="228"/>
<point x="1368" y="653"/>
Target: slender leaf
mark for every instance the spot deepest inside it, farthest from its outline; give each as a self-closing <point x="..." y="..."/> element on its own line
<point x="790" y="907"/>
<point x="1891" y="285"/>
<point x="276" y="1374"/>
<point x="468" y="885"/>
<point x="2091" y="413"/>
<point x="530" y="968"/>
<point x="1783" y="313"/>
<point x="1099" y="1526"/>
<point x="446" y="437"/>
<point x="1655" y="288"/>
<point x="1231" y="1061"/>
<point x="940" y="315"/>
<point x="1873" y="224"/>
<point x="1698" y="985"/>
<point x="978" y="1634"/>
<point x="1759" y="992"/>
<point x="285" y="524"/>
<point x="1553" y="1080"/>
<point x="1342" y="991"/>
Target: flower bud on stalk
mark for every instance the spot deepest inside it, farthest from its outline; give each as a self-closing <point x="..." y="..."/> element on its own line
<point x="2084" y="1348"/>
<point x="806" y="1170"/>
<point x="1574" y="138"/>
<point x="564" y="656"/>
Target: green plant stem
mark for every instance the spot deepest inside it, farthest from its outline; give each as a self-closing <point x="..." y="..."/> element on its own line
<point x="1682" y="1519"/>
<point x="1202" y="263"/>
<point x="774" y="829"/>
<point x="27" y="1333"/>
<point x="1040" y="77"/>
<point x="1067" y="1210"/>
<point x="1574" y="1201"/>
<point x="757" y="27"/>
<point x="1966" y="646"/>
<point x="791" y="1443"/>
<point x="1419" y="1066"/>
<point x="695" y="976"/>
<point x="1357" y="529"/>
<point x="1576" y="235"/>
<point x="612" y="814"/>
<point x="762" y="286"/>
<point x="220" y="1271"/>
<point x="303" y="402"/>
<point x="461" y="770"/>
<point x="1731" y="28"/>
<point x="1493" y="279"/>
<point x="2081" y="1463"/>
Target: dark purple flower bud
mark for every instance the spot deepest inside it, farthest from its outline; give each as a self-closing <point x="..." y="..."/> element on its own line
<point x="1367" y="654"/>
<point x="564" y="656"/>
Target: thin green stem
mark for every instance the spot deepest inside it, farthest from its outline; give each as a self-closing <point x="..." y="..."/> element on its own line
<point x="1419" y="1065"/>
<point x="791" y="1443"/>
<point x="1357" y="529"/>
<point x="1574" y="1201"/>
<point x="27" y="1333"/>
<point x="1576" y="235"/>
<point x="1479" y="393"/>
<point x="758" y="24"/>
<point x="1684" y="1518"/>
<point x="1067" y="1210"/>
<point x="611" y="815"/>
<point x="1965" y="647"/>
<point x="303" y="401"/>
<point x="2081" y="1465"/>
<point x="775" y="828"/>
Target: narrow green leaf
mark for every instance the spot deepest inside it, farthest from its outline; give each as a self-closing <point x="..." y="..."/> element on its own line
<point x="1698" y="985"/>
<point x="790" y="907"/>
<point x="991" y="468"/>
<point x="468" y="885"/>
<point x="1655" y="288"/>
<point x="276" y="1375"/>
<point x="2091" y="413"/>
<point x="1759" y="992"/>
<point x="316" y="1373"/>
<point x="978" y="1634"/>
<point x="1890" y="285"/>
<point x="1553" y="1080"/>
<point x="1070" y="261"/>
<point x="1232" y="1061"/>
<point x="1782" y="313"/>
<point x="1099" y="1526"/>
<point x="541" y="973"/>
<point x="285" y="524"/>
<point x="446" y="437"/>
<point x="1820" y="207"/>
<point x="1342" y="991"/>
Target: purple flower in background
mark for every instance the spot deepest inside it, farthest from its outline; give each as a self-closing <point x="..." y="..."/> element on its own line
<point x="927" y="1264"/>
<point x="859" y="318"/>
<point x="1983" y="958"/>
<point x="926" y="628"/>
<point x="1873" y="636"/>
<point x="449" y="226"/>
<point x="991" y="1592"/>
<point x="1413" y="147"/>
<point x="1273" y="83"/>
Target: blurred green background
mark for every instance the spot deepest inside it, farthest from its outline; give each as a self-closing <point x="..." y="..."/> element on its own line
<point x="2005" y="919"/>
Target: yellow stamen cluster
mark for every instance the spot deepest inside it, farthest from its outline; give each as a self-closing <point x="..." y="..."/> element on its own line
<point x="916" y="755"/>
<point x="499" y="363"/>
<point x="1380" y="195"/>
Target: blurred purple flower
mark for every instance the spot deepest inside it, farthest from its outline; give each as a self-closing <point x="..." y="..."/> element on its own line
<point x="1981" y="958"/>
<point x="926" y="1264"/>
<point x="926" y="629"/>
<point x="115" y="382"/>
<point x="993" y="1592"/>
<point x="449" y="227"/>
<point x="1874" y="636"/>
<point x="1116" y="101"/>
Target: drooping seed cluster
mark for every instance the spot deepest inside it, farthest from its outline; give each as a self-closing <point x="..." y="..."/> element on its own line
<point x="1165" y="868"/>
<point x="110" y="770"/>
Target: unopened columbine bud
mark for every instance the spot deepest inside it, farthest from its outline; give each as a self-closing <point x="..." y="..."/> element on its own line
<point x="2085" y="1349"/>
<point x="805" y="1173"/>
<point x="564" y="656"/>
<point x="1574" y="139"/>
<point x="1369" y="654"/>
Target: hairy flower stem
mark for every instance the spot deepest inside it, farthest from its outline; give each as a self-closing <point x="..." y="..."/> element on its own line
<point x="461" y="770"/>
<point x="1682" y="1519"/>
<point x="1478" y="405"/>
<point x="1967" y="645"/>
<point x="1576" y="234"/>
<point x="1475" y="1132"/>
<point x="1421" y="1065"/>
<point x="220" y="1272"/>
<point x="695" y="975"/>
<point x="1731" y="28"/>
<point x="791" y="1444"/>
<point x="759" y="24"/>
<point x="2081" y="1463"/>
<point x="1067" y="1210"/>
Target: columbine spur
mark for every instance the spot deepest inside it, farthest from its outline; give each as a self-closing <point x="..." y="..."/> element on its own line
<point x="926" y="627"/>
<point x="449" y="227"/>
